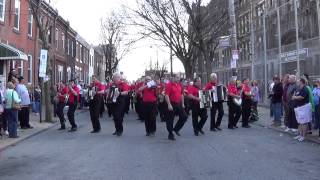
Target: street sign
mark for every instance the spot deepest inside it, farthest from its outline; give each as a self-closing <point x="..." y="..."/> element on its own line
<point x="43" y="63"/>
<point x="224" y="42"/>
<point x="235" y="54"/>
<point x="293" y="55"/>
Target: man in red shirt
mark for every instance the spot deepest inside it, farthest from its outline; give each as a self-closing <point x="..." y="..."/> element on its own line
<point x="74" y="92"/>
<point x="61" y="98"/>
<point x="216" y="106"/>
<point x="246" y="102"/>
<point x="174" y="99"/>
<point x="193" y="94"/>
<point x="234" y="109"/>
<point x="149" y="105"/>
<point x="95" y="103"/>
<point x="119" y="106"/>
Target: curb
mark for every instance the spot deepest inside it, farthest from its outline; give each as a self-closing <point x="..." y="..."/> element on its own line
<point x="29" y="136"/>
<point x="36" y="133"/>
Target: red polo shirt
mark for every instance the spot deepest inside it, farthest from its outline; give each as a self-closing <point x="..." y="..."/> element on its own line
<point x="232" y="89"/>
<point x="210" y="85"/>
<point x="149" y="95"/>
<point x="63" y="92"/>
<point x="174" y="91"/>
<point x="137" y="86"/>
<point x="100" y="86"/>
<point x="72" y="97"/>
<point x="246" y="89"/>
<point x="123" y="86"/>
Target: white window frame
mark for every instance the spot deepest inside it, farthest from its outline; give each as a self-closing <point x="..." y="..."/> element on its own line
<point x="72" y="48"/>
<point x="30" y="22"/>
<point x="21" y="67"/>
<point x="3" y="3"/>
<point x="63" y="40"/>
<point x="30" y="61"/>
<point x="17" y="8"/>
<point x="68" y="52"/>
<point x="57" y="38"/>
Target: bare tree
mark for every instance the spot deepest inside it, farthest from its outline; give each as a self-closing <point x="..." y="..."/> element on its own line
<point x="45" y="17"/>
<point x="115" y="42"/>
<point x="182" y="25"/>
<point x="157" y="70"/>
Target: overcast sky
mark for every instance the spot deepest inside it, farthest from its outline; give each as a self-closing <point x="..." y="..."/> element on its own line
<point x="84" y="16"/>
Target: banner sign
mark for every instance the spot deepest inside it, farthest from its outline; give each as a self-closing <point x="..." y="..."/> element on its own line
<point x="43" y="63"/>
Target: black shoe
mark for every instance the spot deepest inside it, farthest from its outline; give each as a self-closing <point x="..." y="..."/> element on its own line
<point x="29" y="127"/>
<point x="95" y="131"/>
<point x="171" y="137"/>
<point x="235" y="127"/>
<point x="115" y="133"/>
<point x="62" y="128"/>
<point x="119" y="134"/>
<point x="247" y="126"/>
<point x="201" y="132"/>
<point x="196" y="133"/>
<point x="148" y="134"/>
<point x="153" y="134"/>
<point x="218" y="128"/>
<point x="177" y="133"/>
<point x="230" y="127"/>
<point x="310" y="132"/>
<point x="213" y="129"/>
<point x="73" y="129"/>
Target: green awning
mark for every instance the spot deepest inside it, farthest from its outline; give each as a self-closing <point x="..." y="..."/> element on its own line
<point x="8" y="52"/>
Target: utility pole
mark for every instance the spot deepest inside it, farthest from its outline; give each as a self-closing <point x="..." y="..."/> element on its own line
<point x="265" y="56"/>
<point x="318" y="10"/>
<point x="297" y="36"/>
<point x="252" y="42"/>
<point x="234" y="45"/>
<point x="279" y="40"/>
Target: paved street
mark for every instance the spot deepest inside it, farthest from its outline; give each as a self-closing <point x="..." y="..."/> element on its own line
<point x="256" y="153"/>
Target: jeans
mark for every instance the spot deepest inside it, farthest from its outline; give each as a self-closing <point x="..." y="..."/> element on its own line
<point x="11" y="115"/>
<point x="277" y="110"/>
<point x="317" y="117"/>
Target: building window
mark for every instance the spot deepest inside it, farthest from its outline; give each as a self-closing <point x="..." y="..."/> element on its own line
<point x="30" y="68"/>
<point x="68" y="51"/>
<point x="63" y="40"/>
<point x="30" y="21"/>
<point x="59" y="73"/>
<point x="17" y="14"/>
<point x="2" y="9"/>
<point x="1" y="68"/>
<point x="72" y="49"/>
<point x="20" y="68"/>
<point x="57" y="38"/>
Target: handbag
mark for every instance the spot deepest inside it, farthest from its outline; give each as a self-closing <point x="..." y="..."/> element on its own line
<point x="15" y="105"/>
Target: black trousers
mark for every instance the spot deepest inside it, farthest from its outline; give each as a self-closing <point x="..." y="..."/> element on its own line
<point x="246" y="111"/>
<point x="118" y="113"/>
<point x="292" y="121"/>
<point x="3" y="123"/>
<point x="196" y="113"/>
<point x="150" y="109"/>
<point x="94" y="107"/>
<point x="234" y="114"/>
<point x="177" y="109"/>
<point x="216" y="106"/>
<point x="109" y="107"/>
<point x="127" y="106"/>
<point x="72" y="109"/>
<point x="162" y="110"/>
<point x="138" y="107"/>
<point x="23" y="115"/>
<point x="60" y="114"/>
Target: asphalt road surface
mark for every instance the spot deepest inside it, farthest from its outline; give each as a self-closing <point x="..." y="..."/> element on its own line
<point x="246" y="154"/>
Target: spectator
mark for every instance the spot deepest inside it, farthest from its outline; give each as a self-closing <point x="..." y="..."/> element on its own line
<point x="276" y="100"/>
<point x="285" y="102"/>
<point x="12" y="76"/>
<point x="3" y="124"/>
<point x="11" y="113"/>
<point x="292" y="87"/>
<point x="255" y="100"/>
<point x="37" y="99"/>
<point x="301" y="98"/>
<point x="25" y="104"/>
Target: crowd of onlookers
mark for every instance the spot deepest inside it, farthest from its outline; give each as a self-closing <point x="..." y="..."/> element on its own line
<point x="297" y="101"/>
<point x="16" y="99"/>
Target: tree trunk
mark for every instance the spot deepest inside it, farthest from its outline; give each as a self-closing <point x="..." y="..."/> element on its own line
<point x="188" y="70"/>
<point x="47" y="92"/>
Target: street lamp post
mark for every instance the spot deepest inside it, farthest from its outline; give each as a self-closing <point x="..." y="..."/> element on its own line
<point x="265" y="57"/>
<point x="279" y="41"/>
<point x="297" y="36"/>
<point x="252" y="43"/>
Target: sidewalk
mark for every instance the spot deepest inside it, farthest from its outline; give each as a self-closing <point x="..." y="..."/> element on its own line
<point x="265" y="121"/>
<point x="24" y="134"/>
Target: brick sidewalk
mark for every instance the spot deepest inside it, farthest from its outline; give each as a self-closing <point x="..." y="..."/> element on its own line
<point x="265" y="121"/>
<point x="23" y="134"/>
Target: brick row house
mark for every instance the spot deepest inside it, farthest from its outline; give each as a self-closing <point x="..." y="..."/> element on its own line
<point x="20" y="45"/>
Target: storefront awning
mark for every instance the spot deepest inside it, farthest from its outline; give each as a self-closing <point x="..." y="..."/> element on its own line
<point x="8" y="52"/>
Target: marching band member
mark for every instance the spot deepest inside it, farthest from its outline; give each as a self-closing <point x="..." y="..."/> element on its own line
<point x="193" y="94"/>
<point x="73" y="101"/>
<point x="95" y="103"/>
<point x="246" y="103"/>
<point x="61" y="98"/>
<point x="216" y="106"/>
<point x="149" y="95"/>
<point x="138" y="103"/>
<point x="119" y="106"/>
<point x="234" y="109"/>
<point x="161" y="100"/>
<point x="174" y="99"/>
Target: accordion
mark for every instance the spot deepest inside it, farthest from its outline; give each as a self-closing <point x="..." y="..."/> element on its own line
<point x="92" y="92"/>
<point x="219" y="93"/>
<point x="205" y="99"/>
<point x="113" y="94"/>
